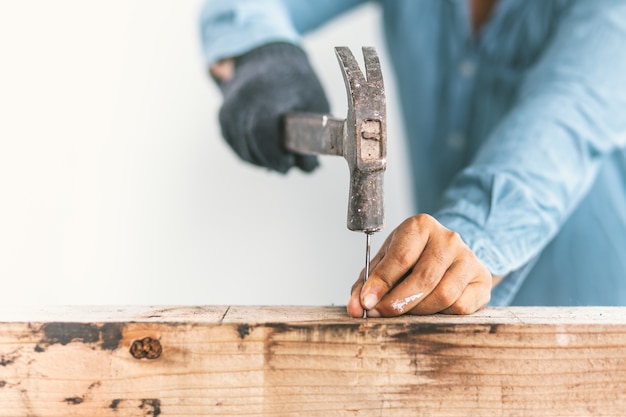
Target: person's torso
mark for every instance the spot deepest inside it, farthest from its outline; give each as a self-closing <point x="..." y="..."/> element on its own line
<point x="455" y="85"/>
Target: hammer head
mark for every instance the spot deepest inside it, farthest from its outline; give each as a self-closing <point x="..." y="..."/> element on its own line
<point x="361" y="138"/>
<point x="365" y="139"/>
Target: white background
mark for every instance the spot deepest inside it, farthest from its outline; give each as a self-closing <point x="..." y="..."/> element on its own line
<point x="117" y="188"/>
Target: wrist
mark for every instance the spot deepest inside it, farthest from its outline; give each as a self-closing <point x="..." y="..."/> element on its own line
<point x="495" y="280"/>
<point x="223" y="70"/>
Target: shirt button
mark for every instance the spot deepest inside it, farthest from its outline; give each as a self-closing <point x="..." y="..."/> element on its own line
<point x="467" y="68"/>
<point x="456" y="141"/>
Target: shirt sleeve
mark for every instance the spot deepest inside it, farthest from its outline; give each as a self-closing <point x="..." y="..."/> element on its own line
<point x="232" y="27"/>
<point x="543" y="157"/>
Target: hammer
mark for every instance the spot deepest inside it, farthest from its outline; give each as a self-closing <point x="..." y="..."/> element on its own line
<point x="361" y="138"/>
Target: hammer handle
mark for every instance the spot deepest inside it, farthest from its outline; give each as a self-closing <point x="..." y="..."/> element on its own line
<point x="317" y="134"/>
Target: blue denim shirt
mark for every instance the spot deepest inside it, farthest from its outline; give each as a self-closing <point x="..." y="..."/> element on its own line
<point x="517" y="133"/>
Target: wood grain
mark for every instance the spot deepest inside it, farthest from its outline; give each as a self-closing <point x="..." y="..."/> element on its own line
<point x="310" y="361"/>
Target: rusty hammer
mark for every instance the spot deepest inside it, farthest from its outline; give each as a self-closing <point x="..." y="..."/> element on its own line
<point x="360" y="138"/>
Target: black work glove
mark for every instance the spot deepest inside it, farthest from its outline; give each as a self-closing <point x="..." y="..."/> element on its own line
<point x="269" y="82"/>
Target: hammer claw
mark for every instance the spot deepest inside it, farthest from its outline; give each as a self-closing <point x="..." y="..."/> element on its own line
<point x="352" y="75"/>
<point x="372" y="67"/>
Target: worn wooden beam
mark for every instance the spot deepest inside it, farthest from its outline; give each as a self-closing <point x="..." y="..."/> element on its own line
<point x="310" y="361"/>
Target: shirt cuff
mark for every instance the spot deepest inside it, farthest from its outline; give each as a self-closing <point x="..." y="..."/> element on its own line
<point x="229" y="29"/>
<point x="476" y="239"/>
<point x="486" y="251"/>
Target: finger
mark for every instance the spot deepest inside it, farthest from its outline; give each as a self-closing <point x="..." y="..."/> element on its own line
<point x="404" y="248"/>
<point x="465" y="288"/>
<point x="400" y="299"/>
<point x="264" y="142"/>
<point x="354" y="307"/>
<point x="421" y="281"/>
<point x="475" y="297"/>
<point x="447" y="291"/>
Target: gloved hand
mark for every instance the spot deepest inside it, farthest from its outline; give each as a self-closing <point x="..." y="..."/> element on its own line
<point x="269" y="82"/>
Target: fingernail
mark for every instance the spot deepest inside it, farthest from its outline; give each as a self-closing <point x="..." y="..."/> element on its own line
<point x="370" y="301"/>
<point x="373" y="313"/>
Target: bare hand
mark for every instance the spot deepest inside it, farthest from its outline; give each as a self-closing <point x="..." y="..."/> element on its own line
<point x="422" y="268"/>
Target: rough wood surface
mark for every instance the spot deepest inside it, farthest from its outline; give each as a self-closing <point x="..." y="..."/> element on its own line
<point x="310" y="361"/>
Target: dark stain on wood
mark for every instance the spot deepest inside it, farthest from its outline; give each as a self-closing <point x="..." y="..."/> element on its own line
<point x="418" y="339"/>
<point x="4" y="361"/>
<point x="413" y="330"/>
<point x="280" y="327"/>
<point x="108" y="335"/>
<point x="94" y="385"/>
<point x="111" y="336"/>
<point x="320" y="331"/>
<point x="74" y="400"/>
<point x="2" y="384"/>
<point x="9" y="359"/>
<point x="243" y="330"/>
<point x="152" y="406"/>
<point x="64" y="333"/>
<point x="409" y="332"/>
<point x="115" y="403"/>
<point x="146" y="348"/>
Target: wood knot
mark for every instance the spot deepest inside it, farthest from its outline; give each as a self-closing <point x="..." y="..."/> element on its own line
<point x="147" y="347"/>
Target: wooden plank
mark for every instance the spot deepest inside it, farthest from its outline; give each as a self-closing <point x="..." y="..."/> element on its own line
<point x="310" y="361"/>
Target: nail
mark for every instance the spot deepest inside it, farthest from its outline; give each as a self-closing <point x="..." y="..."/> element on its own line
<point x="373" y="313"/>
<point x="370" y="301"/>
